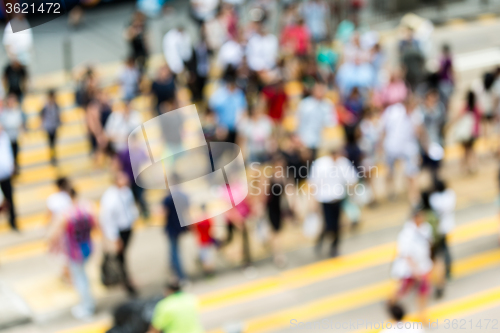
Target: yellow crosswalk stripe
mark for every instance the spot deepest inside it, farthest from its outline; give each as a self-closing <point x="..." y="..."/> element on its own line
<point x="359" y="297"/>
<point x="346" y="301"/>
<point x="331" y="268"/>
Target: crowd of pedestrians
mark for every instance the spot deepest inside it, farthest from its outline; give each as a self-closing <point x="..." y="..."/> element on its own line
<point x="278" y="96"/>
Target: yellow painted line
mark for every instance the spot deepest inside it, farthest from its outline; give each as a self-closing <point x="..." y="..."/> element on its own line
<point x="331" y="268"/>
<point x="359" y="297"/>
<point x="63" y="151"/>
<point x="377" y="292"/>
<point x="100" y="326"/>
<point x="459" y="308"/>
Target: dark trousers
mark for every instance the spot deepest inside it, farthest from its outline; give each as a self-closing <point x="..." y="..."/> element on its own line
<point x="6" y="186"/>
<point x="52" y="136"/>
<point x="175" y="260"/>
<point x="15" y="152"/>
<point x="331" y="213"/>
<point x="138" y="193"/>
<point x="247" y="260"/>
<point x="125" y="238"/>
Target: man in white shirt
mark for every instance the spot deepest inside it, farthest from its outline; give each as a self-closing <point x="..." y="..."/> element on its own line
<point x="117" y="216"/>
<point x="177" y="49"/>
<point x="329" y="179"/>
<point x="402" y="126"/>
<point x="413" y="263"/>
<point x="443" y="201"/>
<point x="262" y="50"/>
<point x="230" y="54"/>
<point x="6" y="172"/>
<point x="315" y="113"/>
<point x="18" y="39"/>
<point x="119" y="126"/>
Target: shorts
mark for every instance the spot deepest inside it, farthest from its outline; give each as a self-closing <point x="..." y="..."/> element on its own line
<point x="410" y="160"/>
<point x="423" y="286"/>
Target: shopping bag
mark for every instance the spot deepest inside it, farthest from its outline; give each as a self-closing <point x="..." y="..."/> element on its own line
<point x="312" y="225"/>
<point x="111" y="273"/>
<point x="464" y="129"/>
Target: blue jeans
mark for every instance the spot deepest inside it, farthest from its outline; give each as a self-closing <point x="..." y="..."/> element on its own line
<point x="175" y="260"/>
<point x="82" y="285"/>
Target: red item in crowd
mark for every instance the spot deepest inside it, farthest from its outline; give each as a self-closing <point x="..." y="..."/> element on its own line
<point x="203" y="230"/>
<point x="276" y="99"/>
<point x="298" y="37"/>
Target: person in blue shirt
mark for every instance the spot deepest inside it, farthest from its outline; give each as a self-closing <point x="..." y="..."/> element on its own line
<point x="229" y="104"/>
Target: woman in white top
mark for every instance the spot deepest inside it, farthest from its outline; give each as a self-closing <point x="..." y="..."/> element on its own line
<point x="413" y="263"/>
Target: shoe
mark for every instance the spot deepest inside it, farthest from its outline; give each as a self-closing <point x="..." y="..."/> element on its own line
<point x="81" y="313"/>
<point x="334" y="253"/>
<point x="439" y="293"/>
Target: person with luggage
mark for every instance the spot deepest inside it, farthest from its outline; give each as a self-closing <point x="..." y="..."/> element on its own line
<point x="118" y="214"/>
<point x="176" y="313"/>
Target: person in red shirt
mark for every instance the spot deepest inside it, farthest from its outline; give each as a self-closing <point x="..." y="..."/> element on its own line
<point x="276" y="100"/>
<point x="296" y="39"/>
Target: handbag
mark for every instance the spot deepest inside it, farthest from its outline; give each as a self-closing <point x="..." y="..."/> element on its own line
<point x="464" y="129"/>
<point x="111" y="273"/>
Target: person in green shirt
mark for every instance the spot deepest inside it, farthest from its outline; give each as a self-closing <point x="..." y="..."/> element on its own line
<point x="176" y="313"/>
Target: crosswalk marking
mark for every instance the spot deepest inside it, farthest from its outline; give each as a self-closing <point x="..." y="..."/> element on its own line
<point x="346" y="301"/>
<point x="359" y="297"/>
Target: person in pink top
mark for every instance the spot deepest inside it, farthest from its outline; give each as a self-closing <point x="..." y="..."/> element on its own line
<point x="394" y="92"/>
<point x="296" y="38"/>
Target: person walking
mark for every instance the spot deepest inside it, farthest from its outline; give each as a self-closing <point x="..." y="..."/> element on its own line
<point x="6" y="172"/>
<point x="12" y="120"/>
<point x="315" y="113"/>
<point x="118" y="214"/>
<point x="174" y="230"/>
<point x="51" y="120"/>
<point x="443" y="201"/>
<point x="75" y="225"/>
<point x="329" y="180"/>
<point x="413" y="263"/>
<point x="176" y="313"/>
<point x="401" y="131"/>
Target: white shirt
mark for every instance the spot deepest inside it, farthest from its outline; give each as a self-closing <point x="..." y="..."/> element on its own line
<point x="313" y="116"/>
<point x="118" y="128"/>
<point x="329" y="178"/>
<point x="400" y="130"/>
<point x="231" y="53"/>
<point x="414" y="244"/>
<point x="58" y="203"/>
<point x="19" y="43"/>
<point x="262" y="52"/>
<point x="443" y="203"/>
<point x="6" y="156"/>
<point x="118" y="211"/>
<point x="177" y="48"/>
